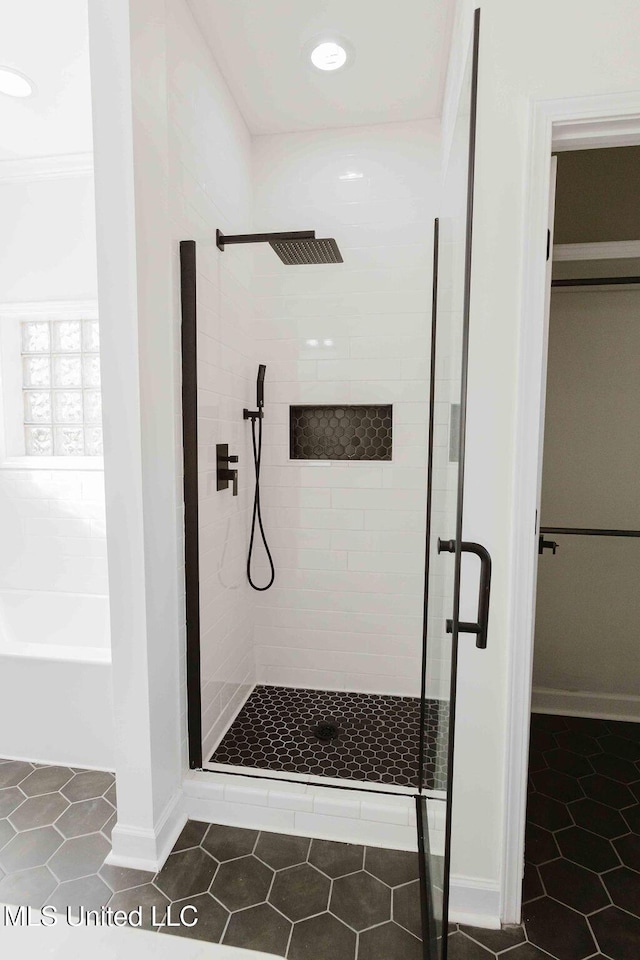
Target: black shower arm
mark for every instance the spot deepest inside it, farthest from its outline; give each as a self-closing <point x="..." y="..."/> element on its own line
<point x="481" y="628"/>
<point x="222" y="240"/>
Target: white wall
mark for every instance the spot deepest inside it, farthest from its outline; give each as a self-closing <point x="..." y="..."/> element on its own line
<point x="588" y="606"/>
<point x="48" y="247"/>
<point x="53" y="531"/>
<point x="348" y="538"/>
<point x="527" y="52"/>
<point x="210" y="177"/>
<point x="53" y="519"/>
<point x="136" y="261"/>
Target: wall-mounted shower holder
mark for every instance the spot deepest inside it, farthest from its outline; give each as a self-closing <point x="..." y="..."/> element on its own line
<point x="223" y="473"/>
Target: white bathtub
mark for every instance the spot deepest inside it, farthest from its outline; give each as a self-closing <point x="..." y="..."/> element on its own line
<point x="61" y="941"/>
<point x="55" y="679"/>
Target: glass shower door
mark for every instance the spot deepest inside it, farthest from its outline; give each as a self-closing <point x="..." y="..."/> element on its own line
<point x="444" y="547"/>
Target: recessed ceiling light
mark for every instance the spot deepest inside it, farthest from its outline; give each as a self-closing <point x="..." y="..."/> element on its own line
<point x="329" y="55"/>
<point x="14" y="84"/>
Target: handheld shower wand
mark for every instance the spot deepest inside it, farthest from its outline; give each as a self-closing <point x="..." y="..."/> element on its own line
<point x="260" y="386"/>
<point x="258" y="415"/>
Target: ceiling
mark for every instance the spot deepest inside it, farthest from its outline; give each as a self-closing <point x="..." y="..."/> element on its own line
<point x="47" y="41"/>
<point x="397" y="72"/>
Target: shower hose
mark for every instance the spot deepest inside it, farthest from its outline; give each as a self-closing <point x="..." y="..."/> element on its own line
<point x="257" y="512"/>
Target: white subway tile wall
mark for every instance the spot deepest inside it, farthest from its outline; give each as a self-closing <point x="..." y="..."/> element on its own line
<point x="53" y="531"/>
<point x="347" y="538"/>
<point x="210" y="176"/>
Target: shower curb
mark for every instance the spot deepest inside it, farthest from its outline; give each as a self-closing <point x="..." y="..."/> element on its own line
<point x="307" y="809"/>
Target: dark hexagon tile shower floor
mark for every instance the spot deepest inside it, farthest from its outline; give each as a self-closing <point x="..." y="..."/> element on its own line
<point x="378" y="740"/>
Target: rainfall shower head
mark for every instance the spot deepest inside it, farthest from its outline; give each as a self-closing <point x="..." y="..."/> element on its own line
<point x="295" y="249"/>
<point x="295" y="253"/>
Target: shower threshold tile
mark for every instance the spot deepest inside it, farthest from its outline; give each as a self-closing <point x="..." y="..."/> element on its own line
<point x="355" y="783"/>
<point x="375" y="737"/>
<point x="249" y="772"/>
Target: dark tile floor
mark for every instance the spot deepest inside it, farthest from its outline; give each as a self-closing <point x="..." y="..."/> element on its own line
<point x="581" y="888"/>
<point x="319" y="900"/>
<point x="55" y="833"/>
<point x="377" y="735"/>
<point x="295" y="897"/>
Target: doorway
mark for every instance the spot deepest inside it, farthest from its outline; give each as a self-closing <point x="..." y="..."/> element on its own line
<point x="583" y="804"/>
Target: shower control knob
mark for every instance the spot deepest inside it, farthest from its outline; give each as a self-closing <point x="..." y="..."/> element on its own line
<point x="223" y="473"/>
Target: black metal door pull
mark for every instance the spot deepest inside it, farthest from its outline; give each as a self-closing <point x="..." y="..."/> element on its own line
<point x="480" y="629"/>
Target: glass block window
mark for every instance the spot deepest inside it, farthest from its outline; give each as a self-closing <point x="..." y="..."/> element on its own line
<point x="61" y="388"/>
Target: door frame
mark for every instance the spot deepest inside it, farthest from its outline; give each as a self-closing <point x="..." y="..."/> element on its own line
<point x="555" y="125"/>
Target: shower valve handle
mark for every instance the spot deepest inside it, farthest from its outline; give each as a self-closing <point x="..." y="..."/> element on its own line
<point x="231" y="475"/>
<point x="223" y="473"/>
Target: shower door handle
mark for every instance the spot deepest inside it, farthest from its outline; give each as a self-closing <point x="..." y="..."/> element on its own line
<point x="481" y="627"/>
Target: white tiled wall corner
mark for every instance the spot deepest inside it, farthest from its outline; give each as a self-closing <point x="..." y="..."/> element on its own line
<point x="210" y="174"/>
<point x="348" y="538"/>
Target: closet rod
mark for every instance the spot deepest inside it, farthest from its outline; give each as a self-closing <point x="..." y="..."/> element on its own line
<point x="594" y="281"/>
<point x="591" y="532"/>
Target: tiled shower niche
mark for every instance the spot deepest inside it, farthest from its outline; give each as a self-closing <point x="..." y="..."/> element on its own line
<point x="341" y="432"/>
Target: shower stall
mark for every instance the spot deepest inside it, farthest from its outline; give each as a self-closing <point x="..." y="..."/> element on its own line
<point x="323" y="437"/>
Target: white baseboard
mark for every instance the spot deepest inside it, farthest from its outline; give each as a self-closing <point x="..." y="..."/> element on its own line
<point x="142" y="848"/>
<point x="602" y="706"/>
<point x="55" y="761"/>
<point x="474" y="902"/>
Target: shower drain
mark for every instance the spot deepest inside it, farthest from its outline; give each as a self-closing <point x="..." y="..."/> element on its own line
<point x="325" y="731"/>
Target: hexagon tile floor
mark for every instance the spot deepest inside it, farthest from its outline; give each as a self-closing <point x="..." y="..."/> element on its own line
<point x="378" y="735"/>
<point x="319" y="900"/>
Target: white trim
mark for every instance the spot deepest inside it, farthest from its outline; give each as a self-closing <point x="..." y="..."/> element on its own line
<point x="615" y="250"/>
<point x="91" y="464"/>
<point x="580" y="703"/>
<point x="62" y="166"/>
<point x="573" y="124"/>
<point x="53" y="763"/>
<point x="145" y="849"/>
<point x="588" y="134"/>
<point x="474" y="902"/>
<point x="49" y="309"/>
